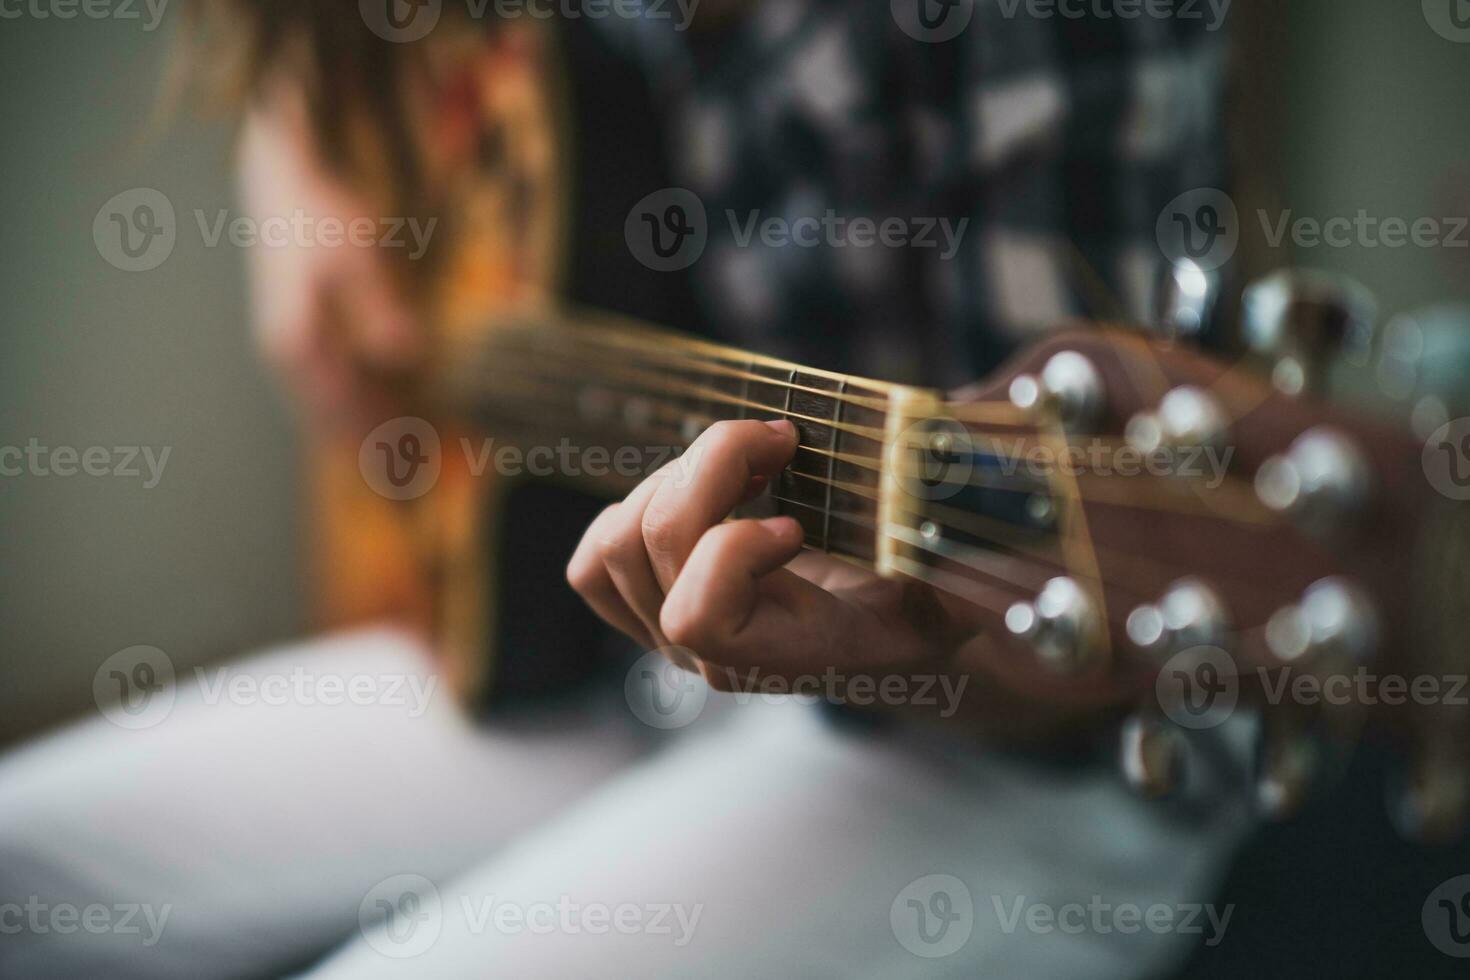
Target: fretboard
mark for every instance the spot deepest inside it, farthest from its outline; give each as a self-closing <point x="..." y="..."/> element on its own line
<point x="618" y="398"/>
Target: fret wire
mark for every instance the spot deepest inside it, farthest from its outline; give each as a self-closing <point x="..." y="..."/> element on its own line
<point x="832" y="467"/>
<point x="663" y="384"/>
<point x="1091" y="495"/>
<point x="950" y="520"/>
<point x="749" y="374"/>
<point x="984" y="529"/>
<point x="869" y="432"/>
<point x="675" y="416"/>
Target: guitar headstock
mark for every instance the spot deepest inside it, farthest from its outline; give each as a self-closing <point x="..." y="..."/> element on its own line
<point x="1142" y="522"/>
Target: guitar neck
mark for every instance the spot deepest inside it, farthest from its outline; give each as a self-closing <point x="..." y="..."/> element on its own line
<point x="640" y="395"/>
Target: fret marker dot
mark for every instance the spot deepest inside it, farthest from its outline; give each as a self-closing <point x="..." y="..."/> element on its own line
<point x="929" y="531"/>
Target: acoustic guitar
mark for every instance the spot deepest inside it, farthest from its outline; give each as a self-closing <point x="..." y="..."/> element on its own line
<point x="1135" y="520"/>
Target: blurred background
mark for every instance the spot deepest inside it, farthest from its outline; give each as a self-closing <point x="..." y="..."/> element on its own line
<point x="1340" y="106"/>
<point x="203" y="565"/>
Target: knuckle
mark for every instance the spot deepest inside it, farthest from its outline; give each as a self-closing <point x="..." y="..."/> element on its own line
<point x="683" y="621"/>
<point x="679" y="620"/>
<point x="660" y="527"/>
<point x="619" y="550"/>
<point x="584" y="571"/>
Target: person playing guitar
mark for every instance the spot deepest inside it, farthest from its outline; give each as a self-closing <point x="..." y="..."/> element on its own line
<point x="948" y="183"/>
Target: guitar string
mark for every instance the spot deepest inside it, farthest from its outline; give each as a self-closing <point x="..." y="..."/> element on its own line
<point x="1242" y="507"/>
<point x="627" y="333"/>
<point x="986" y="530"/>
<point x="1000" y="412"/>
<point x="1013" y="453"/>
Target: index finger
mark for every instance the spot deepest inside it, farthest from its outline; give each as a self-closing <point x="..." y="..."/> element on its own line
<point x="709" y="481"/>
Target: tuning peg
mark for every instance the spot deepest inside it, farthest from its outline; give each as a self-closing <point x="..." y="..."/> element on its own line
<point x="1321" y="482"/>
<point x="1296" y="321"/>
<point x="1188" y="614"/>
<point x="1333" y="618"/>
<point x="1068" y="383"/>
<point x="1187" y="417"/>
<point x="1185" y="299"/>
<point x="1062" y="625"/>
<point x="1151" y="756"/>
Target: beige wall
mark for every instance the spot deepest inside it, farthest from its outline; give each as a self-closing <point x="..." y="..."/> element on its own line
<point x="204" y="564"/>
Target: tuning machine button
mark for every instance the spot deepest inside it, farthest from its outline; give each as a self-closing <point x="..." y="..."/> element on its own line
<point x="1187" y="417"/>
<point x="1070" y="384"/>
<point x="1188" y="614"/>
<point x="1333" y="618"/>
<point x="1321" y="482"/>
<point x="1062" y="625"/>
<point x="1185" y="299"/>
<point x="1151" y="755"/>
<point x="1296" y="321"/>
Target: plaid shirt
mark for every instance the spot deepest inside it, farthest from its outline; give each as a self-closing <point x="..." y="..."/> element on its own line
<point x="1057" y="140"/>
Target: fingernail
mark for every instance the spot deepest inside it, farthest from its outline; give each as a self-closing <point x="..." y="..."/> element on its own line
<point x="784" y="426"/>
<point x="782" y="526"/>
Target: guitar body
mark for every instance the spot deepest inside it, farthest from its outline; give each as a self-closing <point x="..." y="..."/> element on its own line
<point x="428" y="562"/>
